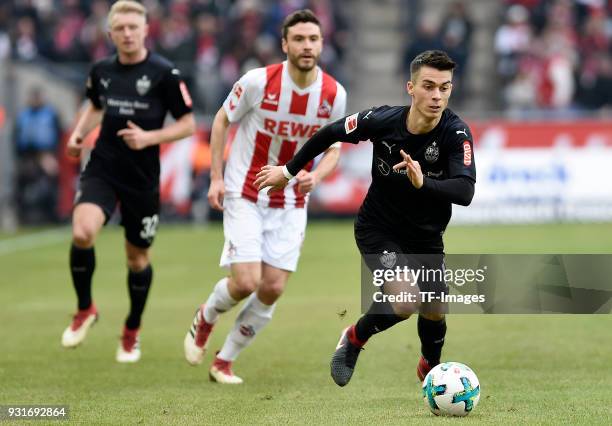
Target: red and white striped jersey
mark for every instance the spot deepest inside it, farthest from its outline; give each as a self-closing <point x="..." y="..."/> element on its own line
<point x="275" y="118"/>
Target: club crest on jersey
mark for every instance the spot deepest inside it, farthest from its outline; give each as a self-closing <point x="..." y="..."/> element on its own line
<point x="350" y="123"/>
<point x="432" y="153"/>
<point x="388" y="259"/>
<point x="143" y="84"/>
<point x="324" y="110"/>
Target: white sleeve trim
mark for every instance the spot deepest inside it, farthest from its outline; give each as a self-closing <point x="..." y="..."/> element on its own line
<point x="288" y="175"/>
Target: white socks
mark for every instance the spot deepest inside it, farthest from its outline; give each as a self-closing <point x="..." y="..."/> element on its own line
<point x="218" y="302"/>
<point x="253" y="317"/>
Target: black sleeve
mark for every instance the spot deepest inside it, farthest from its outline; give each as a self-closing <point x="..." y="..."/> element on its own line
<point x="461" y="160"/>
<point x="175" y="94"/>
<point x="351" y="129"/>
<point x="458" y="190"/>
<point x="91" y="90"/>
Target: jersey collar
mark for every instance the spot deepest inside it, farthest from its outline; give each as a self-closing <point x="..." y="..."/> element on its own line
<point x="294" y="86"/>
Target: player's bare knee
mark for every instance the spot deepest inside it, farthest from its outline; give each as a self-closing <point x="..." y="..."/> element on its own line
<point x="137" y="257"/>
<point x="270" y="291"/>
<point x="137" y="262"/>
<point x="83" y="235"/>
<point x="243" y="285"/>
<point x="405" y="309"/>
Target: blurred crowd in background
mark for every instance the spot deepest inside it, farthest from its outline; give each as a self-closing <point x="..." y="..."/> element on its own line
<point x="213" y="42"/>
<point x="548" y="54"/>
<point x="555" y="54"/>
<point x="452" y="33"/>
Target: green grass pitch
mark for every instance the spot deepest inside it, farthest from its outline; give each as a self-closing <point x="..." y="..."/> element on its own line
<point x="546" y="369"/>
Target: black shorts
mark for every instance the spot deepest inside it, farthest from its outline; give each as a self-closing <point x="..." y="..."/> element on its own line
<point x="381" y="251"/>
<point x="139" y="208"/>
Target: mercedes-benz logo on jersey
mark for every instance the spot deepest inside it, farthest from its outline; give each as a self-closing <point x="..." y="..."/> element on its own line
<point x="388" y="259"/>
<point x="383" y="167"/>
<point x="143" y="84"/>
<point x="432" y="153"/>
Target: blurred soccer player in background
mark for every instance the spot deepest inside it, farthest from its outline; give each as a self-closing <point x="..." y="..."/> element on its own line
<point x="423" y="162"/>
<point x="129" y="94"/>
<point x="277" y="109"/>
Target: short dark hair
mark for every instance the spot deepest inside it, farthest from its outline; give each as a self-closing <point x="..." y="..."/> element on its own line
<point x="304" y="15"/>
<point x="437" y="59"/>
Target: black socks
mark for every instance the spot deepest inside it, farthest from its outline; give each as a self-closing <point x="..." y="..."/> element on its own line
<point x="432" y="335"/>
<point x="82" y="265"/>
<point x="138" y="288"/>
<point x="379" y="317"/>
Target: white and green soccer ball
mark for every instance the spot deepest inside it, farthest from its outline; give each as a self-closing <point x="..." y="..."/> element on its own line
<point x="451" y="389"/>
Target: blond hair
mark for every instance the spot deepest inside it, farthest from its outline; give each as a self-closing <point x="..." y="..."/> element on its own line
<point x="126" y="6"/>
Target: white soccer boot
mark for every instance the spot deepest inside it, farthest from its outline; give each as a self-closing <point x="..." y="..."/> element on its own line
<point x="221" y="372"/>
<point x="81" y="323"/>
<point x="129" y="347"/>
<point x="196" y="340"/>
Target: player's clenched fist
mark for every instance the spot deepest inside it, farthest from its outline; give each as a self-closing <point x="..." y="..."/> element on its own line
<point x="271" y="176"/>
<point x="306" y="181"/>
<point x="216" y="193"/>
<point x="74" y="145"/>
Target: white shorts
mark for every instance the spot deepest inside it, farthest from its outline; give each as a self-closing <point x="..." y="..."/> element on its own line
<point x="256" y="233"/>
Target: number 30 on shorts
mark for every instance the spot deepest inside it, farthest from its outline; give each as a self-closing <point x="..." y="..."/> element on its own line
<point x="149" y="227"/>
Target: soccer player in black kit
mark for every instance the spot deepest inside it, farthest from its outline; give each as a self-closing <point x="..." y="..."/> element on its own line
<point x="129" y="94"/>
<point x="422" y="163"/>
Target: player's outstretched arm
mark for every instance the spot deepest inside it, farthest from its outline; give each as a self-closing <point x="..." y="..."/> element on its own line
<point x="216" y="191"/>
<point x="137" y="138"/>
<point x="91" y="117"/>
<point x="352" y="129"/>
<point x="277" y="177"/>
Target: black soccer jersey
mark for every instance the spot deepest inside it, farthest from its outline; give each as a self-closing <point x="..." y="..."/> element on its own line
<point x="142" y="93"/>
<point x="393" y="205"/>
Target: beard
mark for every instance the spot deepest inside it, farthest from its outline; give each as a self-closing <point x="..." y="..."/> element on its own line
<point x="298" y="62"/>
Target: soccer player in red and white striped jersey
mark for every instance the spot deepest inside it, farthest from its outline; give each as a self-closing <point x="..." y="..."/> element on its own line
<point x="277" y="109"/>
